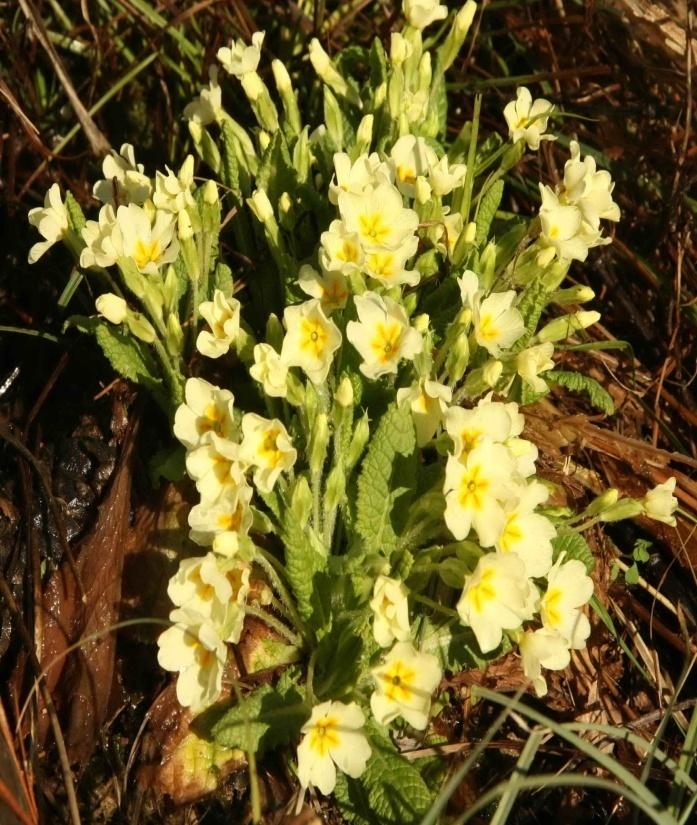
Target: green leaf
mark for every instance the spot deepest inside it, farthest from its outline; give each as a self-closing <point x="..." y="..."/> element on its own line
<point x="76" y="217"/>
<point x="531" y="306"/>
<point x="130" y="357"/>
<point x="376" y="496"/>
<point x="378" y="64"/>
<point x="574" y="546"/>
<point x="391" y="791"/>
<point x="267" y="718"/>
<point x="231" y="170"/>
<point x="456" y="646"/>
<point x="599" y="397"/>
<point x="306" y="563"/>
<point x="222" y="279"/>
<point x="276" y="173"/>
<point x="631" y="575"/>
<point x="488" y="205"/>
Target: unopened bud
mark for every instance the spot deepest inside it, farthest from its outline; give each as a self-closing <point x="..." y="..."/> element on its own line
<point x="335" y="490"/>
<point x="111" y="307"/>
<point x="487" y="265"/>
<point x="264" y="140"/>
<point x="344" y="393"/>
<point x="253" y="86"/>
<point x="425" y="72"/>
<point x="458" y="356"/>
<point x="563" y="327"/>
<point x="422" y="190"/>
<point x="360" y="438"/>
<point x="463" y="19"/>
<point x="318" y="442"/>
<point x="140" y="327"/>
<point x="399" y="49"/>
<point x="301" y="501"/>
<point x="625" y="508"/>
<point x="260" y="204"/>
<point x="491" y="372"/>
<point x="470" y="232"/>
<point x="175" y="335"/>
<point x="421" y="322"/>
<point x="184" y="228"/>
<point x="602" y="502"/>
<point x="281" y="76"/>
<point x="364" y="134"/>
<point x="210" y="192"/>
<point x="573" y="295"/>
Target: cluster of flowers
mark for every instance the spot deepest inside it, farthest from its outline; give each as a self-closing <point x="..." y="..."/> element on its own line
<point x="359" y="317"/>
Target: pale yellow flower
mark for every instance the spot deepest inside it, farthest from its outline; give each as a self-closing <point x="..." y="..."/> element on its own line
<point x="311" y="340"/>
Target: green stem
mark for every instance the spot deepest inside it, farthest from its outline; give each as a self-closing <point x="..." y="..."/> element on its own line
<point x="276" y="583"/>
<point x="446" y="611"/>
<point x="471" y="155"/>
<point x="274" y="624"/>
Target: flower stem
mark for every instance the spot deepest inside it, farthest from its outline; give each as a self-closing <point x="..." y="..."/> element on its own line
<point x="274" y="624"/>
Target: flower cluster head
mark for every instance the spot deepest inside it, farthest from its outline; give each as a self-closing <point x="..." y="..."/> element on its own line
<point x="370" y="472"/>
<point x="570" y="215"/>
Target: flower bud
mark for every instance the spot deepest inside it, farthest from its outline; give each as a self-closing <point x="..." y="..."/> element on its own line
<point x="425" y="72"/>
<point x="563" y="327"/>
<point x="423" y="190"/>
<point x="175" y="335"/>
<point x="344" y="393"/>
<point x="139" y="326"/>
<point x="463" y="19"/>
<point x="364" y="134"/>
<point x="301" y="500"/>
<point x="196" y="131"/>
<point x="264" y="140"/>
<point x="111" y="307"/>
<point x="260" y="204"/>
<point x="318" y="442"/>
<point x="281" y="76"/>
<point x="572" y="295"/>
<point x="602" y="502"/>
<point x="253" y="86"/>
<point x="491" y="372"/>
<point x="421" y="322"/>
<point x="399" y="49"/>
<point x="360" y="438"/>
<point x="335" y="489"/>
<point x="458" y="356"/>
<point x="184" y="228"/>
<point x="170" y="291"/>
<point x="210" y="192"/>
<point x="625" y="508"/>
<point x="487" y="265"/>
<point x="470" y="232"/>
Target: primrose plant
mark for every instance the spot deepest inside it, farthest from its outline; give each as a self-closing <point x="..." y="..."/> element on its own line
<point x="365" y="489"/>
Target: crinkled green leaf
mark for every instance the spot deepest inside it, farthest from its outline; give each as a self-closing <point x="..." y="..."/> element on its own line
<point x="487" y="209"/>
<point x="599" y="397"/>
<point x="531" y="306"/>
<point x="276" y="173"/>
<point x="378" y="64"/>
<point x="574" y="546"/>
<point x="76" y="217"/>
<point x="269" y="717"/>
<point x="394" y="437"/>
<point x="306" y="563"/>
<point x="230" y="170"/>
<point x="222" y="279"/>
<point x="391" y="791"/>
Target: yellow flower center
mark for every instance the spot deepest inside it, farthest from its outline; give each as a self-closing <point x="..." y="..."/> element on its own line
<point x="348" y="252"/>
<point x="374" y="227"/>
<point x="334" y="294"/>
<point x="324" y="735"/>
<point x="269" y="454"/>
<point x="552" y="607"/>
<point x="231" y="521"/>
<point x="473" y="489"/>
<point x="211" y="419"/>
<point x="407" y="174"/>
<point x="385" y="344"/>
<point x="313" y="336"/>
<point x="511" y="535"/>
<point x="398" y="678"/>
<point x="488" y="328"/>
<point x="146" y="252"/>
<point x="469" y="439"/>
<point x="381" y="264"/>
<point x="480" y="594"/>
<point x="553" y="232"/>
